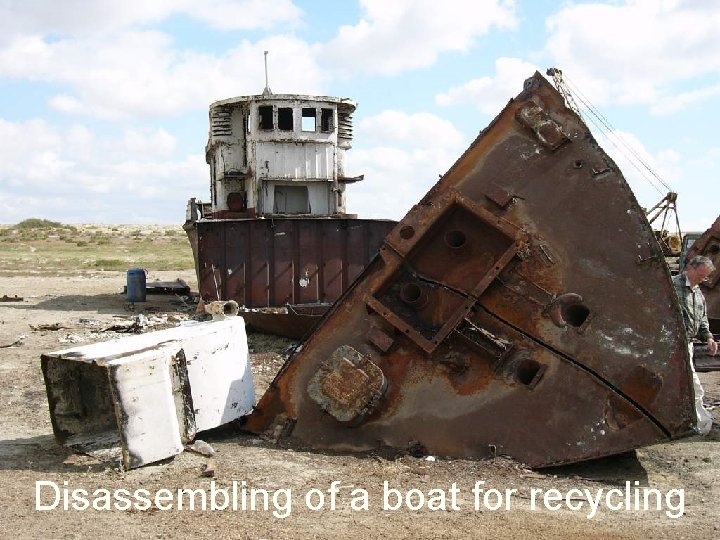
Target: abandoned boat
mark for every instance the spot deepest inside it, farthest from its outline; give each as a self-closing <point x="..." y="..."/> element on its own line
<point x="275" y="236"/>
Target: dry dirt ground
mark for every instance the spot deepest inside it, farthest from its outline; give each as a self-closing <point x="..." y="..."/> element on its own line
<point x="82" y="304"/>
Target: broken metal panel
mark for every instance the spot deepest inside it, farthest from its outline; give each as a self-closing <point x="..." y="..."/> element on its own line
<point x="138" y="399"/>
<point x="273" y="263"/>
<point x="522" y="307"/>
<point x="295" y="322"/>
<point x="147" y="435"/>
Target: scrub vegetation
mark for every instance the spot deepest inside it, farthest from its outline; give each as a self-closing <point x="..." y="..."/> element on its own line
<point x="41" y="246"/>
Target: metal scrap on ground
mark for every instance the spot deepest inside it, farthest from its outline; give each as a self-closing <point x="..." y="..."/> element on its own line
<point x="139" y="399"/>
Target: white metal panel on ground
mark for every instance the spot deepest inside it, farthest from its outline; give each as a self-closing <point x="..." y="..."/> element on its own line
<point x="218" y="368"/>
<point x="152" y="391"/>
<point x="149" y="427"/>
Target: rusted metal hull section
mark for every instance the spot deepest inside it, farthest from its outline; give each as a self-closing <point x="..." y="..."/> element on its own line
<point x="522" y="307"/>
<point x="293" y="321"/>
<point x="302" y="265"/>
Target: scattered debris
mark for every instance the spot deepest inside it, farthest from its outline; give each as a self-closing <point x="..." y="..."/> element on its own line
<point x="209" y="469"/>
<point x="135" y="326"/>
<point x="178" y="287"/>
<point x="71" y="338"/>
<point x="51" y="326"/>
<point x="6" y="298"/>
<point x="219" y="310"/>
<point x="201" y="447"/>
<point x="17" y="343"/>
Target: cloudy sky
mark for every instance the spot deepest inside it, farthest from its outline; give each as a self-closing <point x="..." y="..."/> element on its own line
<point x="103" y="116"/>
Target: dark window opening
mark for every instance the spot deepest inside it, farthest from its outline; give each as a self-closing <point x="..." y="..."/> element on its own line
<point x="285" y="118"/>
<point x="246" y="130"/>
<point x="291" y="200"/>
<point x="309" y="119"/>
<point x="266" y="116"/>
<point x="326" y="120"/>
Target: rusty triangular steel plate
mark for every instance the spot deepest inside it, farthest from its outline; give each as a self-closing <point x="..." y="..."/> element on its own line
<point x="522" y="307"/>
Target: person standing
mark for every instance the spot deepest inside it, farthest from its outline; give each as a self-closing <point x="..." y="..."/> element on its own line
<point x="694" y="312"/>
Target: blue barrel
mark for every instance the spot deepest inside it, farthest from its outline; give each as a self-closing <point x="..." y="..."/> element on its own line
<point x="136" y="285"/>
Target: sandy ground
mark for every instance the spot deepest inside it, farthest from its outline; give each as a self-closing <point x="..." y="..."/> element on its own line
<point x="83" y="304"/>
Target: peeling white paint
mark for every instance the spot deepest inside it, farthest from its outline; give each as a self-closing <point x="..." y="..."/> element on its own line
<point x="148" y="394"/>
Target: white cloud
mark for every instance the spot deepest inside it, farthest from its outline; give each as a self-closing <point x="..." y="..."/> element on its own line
<point x="71" y="173"/>
<point x="97" y="17"/>
<point x="408" y="155"/>
<point x="395" y="179"/>
<point x="490" y="94"/>
<point x="66" y="104"/>
<point x="420" y="130"/>
<point x="680" y="101"/>
<point x="150" y="142"/>
<point x="635" y="51"/>
<point x="139" y="73"/>
<point x="234" y="14"/>
<point x="406" y="34"/>
<point x="650" y="176"/>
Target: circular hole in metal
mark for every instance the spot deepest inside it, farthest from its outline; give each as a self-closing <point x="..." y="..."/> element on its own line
<point x="577" y="164"/>
<point x="231" y="307"/>
<point x="407" y="232"/>
<point x="713" y="249"/>
<point x="575" y="314"/>
<point x="410" y="293"/>
<point x="455" y="238"/>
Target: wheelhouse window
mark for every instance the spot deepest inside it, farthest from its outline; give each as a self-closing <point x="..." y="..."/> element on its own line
<point x="309" y="119"/>
<point x="326" y="120"/>
<point x="285" y="118"/>
<point x="265" y="112"/>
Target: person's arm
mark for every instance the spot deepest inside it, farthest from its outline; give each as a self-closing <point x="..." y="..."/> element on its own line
<point x="704" y="332"/>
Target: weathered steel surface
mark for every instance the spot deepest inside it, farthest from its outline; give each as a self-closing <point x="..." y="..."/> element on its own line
<point x="138" y="399"/>
<point x="295" y="322"/>
<point x="279" y="261"/>
<point x="522" y="307"/>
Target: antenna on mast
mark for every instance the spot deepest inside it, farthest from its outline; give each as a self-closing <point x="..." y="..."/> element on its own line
<point x="267" y="90"/>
